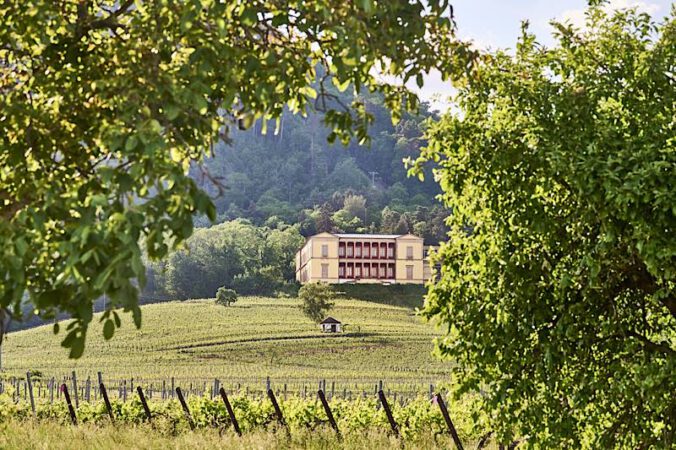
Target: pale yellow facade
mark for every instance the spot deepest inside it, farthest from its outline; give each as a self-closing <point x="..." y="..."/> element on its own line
<point x="362" y="258"/>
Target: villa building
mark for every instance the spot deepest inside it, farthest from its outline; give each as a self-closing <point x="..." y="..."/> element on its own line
<point x="362" y="258"/>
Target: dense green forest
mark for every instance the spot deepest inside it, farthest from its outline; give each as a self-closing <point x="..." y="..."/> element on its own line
<point x="252" y="260"/>
<point x="290" y="173"/>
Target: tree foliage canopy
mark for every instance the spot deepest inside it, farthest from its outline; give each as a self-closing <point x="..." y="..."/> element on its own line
<point x="106" y="103"/>
<point x="558" y="281"/>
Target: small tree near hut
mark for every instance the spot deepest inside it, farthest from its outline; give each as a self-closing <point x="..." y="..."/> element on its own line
<point x="225" y="296"/>
<point x="316" y="300"/>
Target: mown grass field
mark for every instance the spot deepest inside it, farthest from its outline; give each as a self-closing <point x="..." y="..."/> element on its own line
<point x="244" y="343"/>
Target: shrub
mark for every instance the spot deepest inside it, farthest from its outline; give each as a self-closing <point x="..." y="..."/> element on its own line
<point x="225" y="296"/>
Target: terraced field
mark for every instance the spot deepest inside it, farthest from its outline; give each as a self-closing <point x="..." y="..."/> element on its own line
<point x="244" y="344"/>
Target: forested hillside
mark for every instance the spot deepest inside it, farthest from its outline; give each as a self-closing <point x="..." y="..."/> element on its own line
<point x="292" y="174"/>
<point x="273" y="185"/>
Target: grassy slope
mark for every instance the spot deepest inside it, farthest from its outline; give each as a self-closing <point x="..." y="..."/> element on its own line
<point x="257" y="337"/>
<point x="406" y="295"/>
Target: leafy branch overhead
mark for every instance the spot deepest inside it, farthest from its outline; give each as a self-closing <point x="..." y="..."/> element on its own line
<point x="105" y="105"/>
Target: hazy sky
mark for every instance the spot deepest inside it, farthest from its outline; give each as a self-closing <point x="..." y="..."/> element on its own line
<point x="497" y="24"/>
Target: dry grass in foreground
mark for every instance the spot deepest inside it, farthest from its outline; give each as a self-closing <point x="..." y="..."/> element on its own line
<point x="51" y="435"/>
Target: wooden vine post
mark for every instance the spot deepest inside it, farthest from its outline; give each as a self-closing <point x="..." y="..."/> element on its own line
<point x="278" y="412"/>
<point x="104" y="394"/>
<point x="186" y="410"/>
<point x="139" y="389"/>
<point x="231" y="412"/>
<point x="77" y="402"/>
<point x="388" y="413"/>
<point x="73" y="417"/>
<point x="449" y="423"/>
<point x="329" y="414"/>
<point x="30" y="393"/>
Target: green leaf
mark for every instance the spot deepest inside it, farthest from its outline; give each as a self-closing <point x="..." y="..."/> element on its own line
<point x="154" y="126"/>
<point x="211" y="212"/>
<point x="77" y="347"/>
<point x="200" y="104"/>
<point x="108" y="329"/>
<point x="21" y="246"/>
<point x="341" y="86"/>
<point x="172" y="111"/>
<point x="309" y="91"/>
<point x="74" y="340"/>
<point x="246" y="121"/>
<point x="366" y="5"/>
<point x="249" y="17"/>
<point x="136" y="315"/>
<point x="131" y="143"/>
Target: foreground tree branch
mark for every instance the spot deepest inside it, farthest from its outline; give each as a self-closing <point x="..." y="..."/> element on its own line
<point x="105" y="106"/>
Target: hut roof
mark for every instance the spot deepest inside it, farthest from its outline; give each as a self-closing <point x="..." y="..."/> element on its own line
<point x="329" y="320"/>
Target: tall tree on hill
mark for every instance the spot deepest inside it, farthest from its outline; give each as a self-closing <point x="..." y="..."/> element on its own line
<point x="402" y="226"/>
<point x="316" y="300"/>
<point x="323" y="220"/>
<point x="106" y="104"/>
<point x="355" y="205"/>
<point x="389" y="220"/>
<point x="558" y="282"/>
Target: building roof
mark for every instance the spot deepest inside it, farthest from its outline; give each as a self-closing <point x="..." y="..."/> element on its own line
<point x="329" y="320"/>
<point x="361" y="236"/>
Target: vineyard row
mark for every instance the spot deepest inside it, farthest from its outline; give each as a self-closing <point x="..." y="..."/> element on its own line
<point x="47" y="389"/>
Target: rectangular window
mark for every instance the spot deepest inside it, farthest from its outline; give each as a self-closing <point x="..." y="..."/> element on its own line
<point x="350" y="251"/>
<point x="409" y="272"/>
<point x="390" y="251"/>
<point x="383" y="250"/>
<point x="341" y="250"/>
<point x="409" y="252"/>
<point x="367" y="250"/>
<point x="325" y="251"/>
<point x="367" y="271"/>
<point x="341" y="271"/>
<point x="349" y="271"/>
<point x="357" y="251"/>
<point x="374" y="251"/>
<point x="357" y="271"/>
<point x="381" y="272"/>
<point x="390" y="271"/>
<point x="325" y="270"/>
